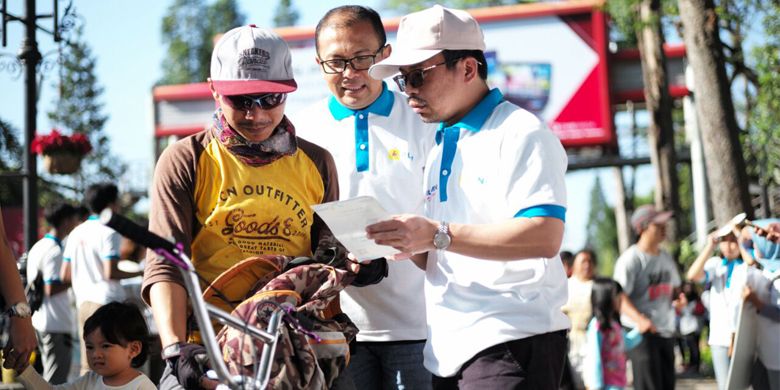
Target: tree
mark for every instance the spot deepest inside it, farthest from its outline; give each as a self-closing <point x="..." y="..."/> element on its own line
<point x="78" y="108"/>
<point x="766" y="115"/>
<point x="715" y="110"/>
<point x="10" y="161"/>
<point x="286" y="14"/>
<point x="640" y="22"/>
<point x="188" y="29"/>
<point x="182" y="32"/>
<point x="602" y="229"/>
<point x="221" y="17"/>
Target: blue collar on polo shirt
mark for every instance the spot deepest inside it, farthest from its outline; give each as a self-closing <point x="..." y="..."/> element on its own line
<point x="473" y="121"/>
<point x="54" y="238"/>
<point x="730" y="263"/>
<point x="381" y="106"/>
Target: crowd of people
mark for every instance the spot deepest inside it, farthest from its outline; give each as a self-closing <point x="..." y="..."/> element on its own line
<point x="738" y="263"/>
<point x="476" y="296"/>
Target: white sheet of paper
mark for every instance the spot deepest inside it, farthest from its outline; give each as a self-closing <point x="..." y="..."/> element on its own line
<point x="347" y="219"/>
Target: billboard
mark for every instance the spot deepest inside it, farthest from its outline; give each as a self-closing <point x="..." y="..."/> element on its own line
<point x="550" y="58"/>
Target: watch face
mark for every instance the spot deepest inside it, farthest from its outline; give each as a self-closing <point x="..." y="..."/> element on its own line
<point x="441" y="240"/>
<point x="22" y="310"/>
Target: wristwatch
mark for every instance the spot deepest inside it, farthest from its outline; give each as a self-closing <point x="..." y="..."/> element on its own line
<point x="21" y="310"/>
<point x="171" y="351"/>
<point x="442" y="238"/>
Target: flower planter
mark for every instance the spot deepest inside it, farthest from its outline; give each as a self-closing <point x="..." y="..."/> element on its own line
<point x="62" y="163"/>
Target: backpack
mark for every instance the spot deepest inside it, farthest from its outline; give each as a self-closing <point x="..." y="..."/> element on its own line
<point x="34" y="289"/>
<point x="313" y="346"/>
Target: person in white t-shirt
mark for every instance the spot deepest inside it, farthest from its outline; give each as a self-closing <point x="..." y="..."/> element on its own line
<point x="91" y="258"/>
<point x="117" y="344"/>
<point x="762" y="290"/>
<point x="494" y="214"/>
<point x="53" y="321"/>
<point x="727" y="274"/>
<point x="380" y="146"/>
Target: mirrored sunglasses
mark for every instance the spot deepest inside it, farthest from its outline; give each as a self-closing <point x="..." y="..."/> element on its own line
<point x="246" y="102"/>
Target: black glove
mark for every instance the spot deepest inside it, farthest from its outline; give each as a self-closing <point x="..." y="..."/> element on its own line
<point x="188" y="362"/>
<point x="371" y="273"/>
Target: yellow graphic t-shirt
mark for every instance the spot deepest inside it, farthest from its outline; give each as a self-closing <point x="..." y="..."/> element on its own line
<point x="225" y="211"/>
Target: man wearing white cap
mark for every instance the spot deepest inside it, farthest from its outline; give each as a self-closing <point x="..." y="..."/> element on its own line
<point x="495" y="203"/>
<point x="380" y="146"/>
<point x="240" y="188"/>
<point x="649" y="277"/>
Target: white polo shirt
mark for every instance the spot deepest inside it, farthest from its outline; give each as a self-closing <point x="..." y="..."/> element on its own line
<point x="498" y="163"/>
<point x="55" y="314"/>
<point x="766" y="285"/>
<point x="727" y="278"/>
<point x="380" y="151"/>
<point x="88" y="246"/>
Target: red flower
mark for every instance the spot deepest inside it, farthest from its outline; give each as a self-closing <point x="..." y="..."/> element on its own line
<point x="56" y="142"/>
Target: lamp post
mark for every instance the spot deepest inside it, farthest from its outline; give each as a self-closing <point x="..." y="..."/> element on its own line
<point x="30" y="57"/>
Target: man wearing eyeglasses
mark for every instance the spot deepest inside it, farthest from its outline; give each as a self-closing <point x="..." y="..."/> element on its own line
<point x="380" y="147"/>
<point x="240" y="188"/>
<point x="494" y="215"/>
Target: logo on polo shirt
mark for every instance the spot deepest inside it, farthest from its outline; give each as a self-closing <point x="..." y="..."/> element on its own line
<point x="394" y="154"/>
<point x="431" y="192"/>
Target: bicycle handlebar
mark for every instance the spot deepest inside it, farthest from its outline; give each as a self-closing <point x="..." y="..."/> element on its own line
<point x="134" y="232"/>
<point x="202" y="310"/>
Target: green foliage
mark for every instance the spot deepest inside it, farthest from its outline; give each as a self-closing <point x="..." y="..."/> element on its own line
<point x="687" y="253"/>
<point x="188" y="28"/>
<point x="182" y="32"/>
<point x="602" y="230"/>
<point x="763" y="139"/>
<point x="406" y="6"/>
<point x="286" y="14"/>
<point x="79" y="109"/>
<point x="11" y="151"/>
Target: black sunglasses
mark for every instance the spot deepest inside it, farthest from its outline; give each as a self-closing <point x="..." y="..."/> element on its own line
<point x="246" y="102"/>
<point x="414" y="78"/>
<point x="357" y="63"/>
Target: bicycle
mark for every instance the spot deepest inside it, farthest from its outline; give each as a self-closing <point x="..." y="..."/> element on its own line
<point x="175" y="254"/>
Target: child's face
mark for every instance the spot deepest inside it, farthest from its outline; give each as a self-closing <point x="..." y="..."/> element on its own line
<point x="109" y="360"/>
<point x="729" y="247"/>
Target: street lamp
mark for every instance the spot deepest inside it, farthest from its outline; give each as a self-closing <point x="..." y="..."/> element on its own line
<point x="30" y="57"/>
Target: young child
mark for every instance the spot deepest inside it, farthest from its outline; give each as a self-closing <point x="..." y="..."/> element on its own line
<point x="605" y="362"/>
<point x="690" y="319"/>
<point x="727" y="274"/>
<point x="116" y="337"/>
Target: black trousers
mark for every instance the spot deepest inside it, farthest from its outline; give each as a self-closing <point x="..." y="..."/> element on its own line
<point x="531" y="363"/>
<point x="652" y="362"/>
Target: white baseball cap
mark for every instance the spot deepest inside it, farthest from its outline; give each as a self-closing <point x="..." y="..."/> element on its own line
<point x="423" y="34"/>
<point x="251" y="60"/>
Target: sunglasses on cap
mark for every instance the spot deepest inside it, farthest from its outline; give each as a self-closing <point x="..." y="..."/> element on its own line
<point x="246" y="102"/>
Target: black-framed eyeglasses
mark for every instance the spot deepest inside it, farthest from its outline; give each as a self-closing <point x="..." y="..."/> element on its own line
<point x="246" y="102"/>
<point x="357" y="63"/>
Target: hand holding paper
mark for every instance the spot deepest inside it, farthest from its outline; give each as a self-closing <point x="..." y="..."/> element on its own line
<point x="348" y="219"/>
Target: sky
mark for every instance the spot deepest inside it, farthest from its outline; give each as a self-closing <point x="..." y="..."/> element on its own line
<point x="125" y="38"/>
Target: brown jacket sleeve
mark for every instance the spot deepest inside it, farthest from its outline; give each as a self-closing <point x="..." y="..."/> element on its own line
<point x="323" y="160"/>
<point x="172" y="209"/>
